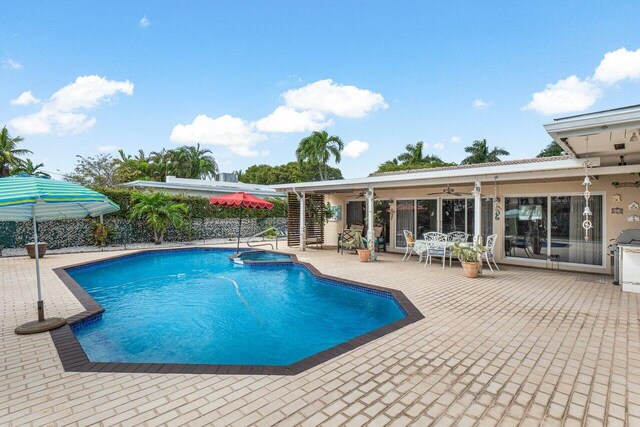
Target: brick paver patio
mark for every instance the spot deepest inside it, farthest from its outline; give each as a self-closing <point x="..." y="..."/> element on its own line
<point x="516" y="347"/>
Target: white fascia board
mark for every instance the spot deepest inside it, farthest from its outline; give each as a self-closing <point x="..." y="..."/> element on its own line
<point x="436" y="177"/>
<point x="200" y="188"/>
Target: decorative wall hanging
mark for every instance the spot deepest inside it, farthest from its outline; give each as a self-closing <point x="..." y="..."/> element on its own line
<point x="496" y="201"/>
<point x="617" y="211"/>
<point x="586" y="214"/>
<point x="633" y="218"/>
<point x="617" y="184"/>
<point x="633" y="206"/>
<point x="617" y="198"/>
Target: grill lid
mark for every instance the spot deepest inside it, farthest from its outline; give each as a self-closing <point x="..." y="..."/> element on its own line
<point x="629" y="237"/>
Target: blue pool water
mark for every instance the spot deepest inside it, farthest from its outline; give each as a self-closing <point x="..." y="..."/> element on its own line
<point x="195" y="306"/>
<point x="264" y="256"/>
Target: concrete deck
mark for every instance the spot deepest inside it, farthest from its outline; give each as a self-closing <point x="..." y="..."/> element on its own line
<point x="516" y="347"/>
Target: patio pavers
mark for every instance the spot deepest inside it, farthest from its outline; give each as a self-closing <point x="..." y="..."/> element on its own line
<point x="519" y="346"/>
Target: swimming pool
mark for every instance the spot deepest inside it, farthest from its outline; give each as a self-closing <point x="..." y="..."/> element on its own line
<point x="196" y="307"/>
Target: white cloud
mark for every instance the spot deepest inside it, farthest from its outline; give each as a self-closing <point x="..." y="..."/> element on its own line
<point x="144" y="22"/>
<point x="568" y="95"/>
<point x="108" y="148"/>
<point x="60" y="114"/>
<point x="25" y="98"/>
<point x="355" y="148"/>
<point x="618" y="65"/>
<point x="237" y="135"/>
<point x="286" y="119"/>
<point x="456" y="139"/>
<point x="438" y="146"/>
<point x="325" y="96"/>
<point x="480" y="104"/>
<point x="13" y="64"/>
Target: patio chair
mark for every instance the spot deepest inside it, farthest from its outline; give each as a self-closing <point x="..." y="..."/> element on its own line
<point x="457" y="236"/>
<point x="410" y="242"/>
<point x="438" y="245"/>
<point x="487" y="255"/>
<point x="378" y="239"/>
<point x="350" y="240"/>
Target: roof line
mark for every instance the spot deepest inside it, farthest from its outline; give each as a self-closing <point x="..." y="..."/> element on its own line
<point x="596" y="112"/>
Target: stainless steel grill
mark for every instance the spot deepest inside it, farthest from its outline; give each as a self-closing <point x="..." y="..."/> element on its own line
<point x="630" y="237"/>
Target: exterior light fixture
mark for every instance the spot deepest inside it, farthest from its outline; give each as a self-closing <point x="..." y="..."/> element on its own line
<point x="634" y="137"/>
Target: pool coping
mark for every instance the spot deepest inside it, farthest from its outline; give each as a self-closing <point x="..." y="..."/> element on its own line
<point x="74" y="358"/>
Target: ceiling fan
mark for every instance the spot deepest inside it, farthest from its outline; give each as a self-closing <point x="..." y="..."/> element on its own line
<point x="361" y="195"/>
<point x="448" y="191"/>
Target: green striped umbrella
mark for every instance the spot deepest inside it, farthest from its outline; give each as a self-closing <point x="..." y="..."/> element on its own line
<point x="25" y="197"/>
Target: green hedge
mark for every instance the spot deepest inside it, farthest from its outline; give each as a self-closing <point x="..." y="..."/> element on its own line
<point x="199" y="207"/>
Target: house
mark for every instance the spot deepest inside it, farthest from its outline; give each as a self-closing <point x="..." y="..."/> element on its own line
<point x="535" y="206"/>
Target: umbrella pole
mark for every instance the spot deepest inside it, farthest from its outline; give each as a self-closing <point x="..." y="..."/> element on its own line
<point x="239" y="230"/>
<point x="35" y="240"/>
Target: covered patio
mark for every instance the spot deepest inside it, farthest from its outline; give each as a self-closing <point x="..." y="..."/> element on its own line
<point x="536" y="207"/>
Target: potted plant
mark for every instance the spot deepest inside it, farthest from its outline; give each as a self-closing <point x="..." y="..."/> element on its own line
<point x="31" y="249"/>
<point x="364" y="254"/>
<point x="101" y="233"/>
<point x="470" y="257"/>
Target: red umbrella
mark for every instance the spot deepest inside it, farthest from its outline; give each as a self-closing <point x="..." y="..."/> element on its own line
<point x="241" y="200"/>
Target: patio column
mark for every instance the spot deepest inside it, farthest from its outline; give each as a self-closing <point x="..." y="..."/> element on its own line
<point x="303" y="226"/>
<point x="370" y="233"/>
<point x="477" y="211"/>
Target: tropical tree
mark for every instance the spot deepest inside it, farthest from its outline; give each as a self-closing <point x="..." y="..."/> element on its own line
<point x="479" y="152"/>
<point x="28" y="167"/>
<point x="194" y="162"/>
<point x="95" y="171"/>
<point x="289" y="172"/>
<point x="9" y="154"/>
<point x="158" y="211"/>
<point x="318" y="148"/>
<point x="551" y="150"/>
<point x="413" y="158"/>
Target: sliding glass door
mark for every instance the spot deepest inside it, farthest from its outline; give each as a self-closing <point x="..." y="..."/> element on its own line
<point x="426" y="216"/>
<point x="567" y="234"/>
<point x="537" y="227"/>
<point x="445" y="215"/>
<point x="405" y="220"/>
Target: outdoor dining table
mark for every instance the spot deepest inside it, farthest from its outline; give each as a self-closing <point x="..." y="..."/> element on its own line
<point x="420" y="247"/>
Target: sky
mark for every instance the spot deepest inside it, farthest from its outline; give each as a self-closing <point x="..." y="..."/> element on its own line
<point x="249" y="79"/>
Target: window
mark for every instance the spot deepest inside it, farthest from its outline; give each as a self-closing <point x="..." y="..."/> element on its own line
<point x="536" y="227"/>
<point x="356" y="212"/>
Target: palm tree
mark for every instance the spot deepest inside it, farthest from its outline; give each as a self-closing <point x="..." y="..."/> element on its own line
<point x="161" y="164"/>
<point x="158" y="211"/>
<point x="414" y="155"/>
<point x="8" y="151"/>
<point x="28" y="167"/>
<point x="480" y="153"/>
<point x="195" y="162"/>
<point x="318" y="148"/>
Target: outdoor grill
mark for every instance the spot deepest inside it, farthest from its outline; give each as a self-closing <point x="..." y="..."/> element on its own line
<point x="630" y="237"/>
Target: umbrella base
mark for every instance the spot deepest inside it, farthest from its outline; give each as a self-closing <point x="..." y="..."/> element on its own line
<point x="40" y="326"/>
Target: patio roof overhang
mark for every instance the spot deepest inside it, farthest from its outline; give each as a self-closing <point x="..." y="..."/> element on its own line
<point x="561" y="169"/>
<point x="602" y="133"/>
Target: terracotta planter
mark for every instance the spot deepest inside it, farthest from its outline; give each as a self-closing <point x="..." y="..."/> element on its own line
<point x="471" y="269"/>
<point x="31" y="249"/>
<point x="364" y="255"/>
